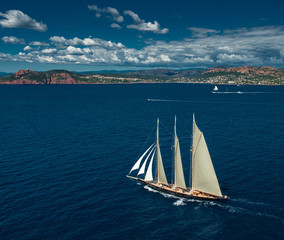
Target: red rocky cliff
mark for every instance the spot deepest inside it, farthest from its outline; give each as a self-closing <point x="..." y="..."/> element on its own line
<point x="32" y="77"/>
<point x="23" y="72"/>
<point x="62" y="78"/>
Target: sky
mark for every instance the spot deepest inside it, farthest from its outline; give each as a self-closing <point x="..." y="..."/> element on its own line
<point x="99" y="35"/>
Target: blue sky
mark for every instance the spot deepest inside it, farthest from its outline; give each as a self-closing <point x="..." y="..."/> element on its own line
<point x="120" y="35"/>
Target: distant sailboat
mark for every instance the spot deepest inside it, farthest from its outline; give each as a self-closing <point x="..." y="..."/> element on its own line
<point x="215" y="88"/>
<point x="204" y="183"/>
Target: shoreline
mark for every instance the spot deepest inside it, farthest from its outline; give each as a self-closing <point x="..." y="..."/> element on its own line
<point x="127" y="83"/>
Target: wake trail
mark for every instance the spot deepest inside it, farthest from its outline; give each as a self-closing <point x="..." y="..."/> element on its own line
<point x="228" y="207"/>
<point x="211" y="102"/>
<point x="246" y="92"/>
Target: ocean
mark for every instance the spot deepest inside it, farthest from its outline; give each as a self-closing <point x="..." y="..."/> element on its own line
<point x="65" y="151"/>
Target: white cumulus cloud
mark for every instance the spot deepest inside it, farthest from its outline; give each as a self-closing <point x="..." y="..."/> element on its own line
<point x="27" y="48"/>
<point x="18" y="19"/>
<point x="13" y="40"/>
<point x="37" y="43"/>
<point x="247" y="46"/>
<point x="49" y="50"/>
<point x="142" y="25"/>
<point x="59" y="40"/>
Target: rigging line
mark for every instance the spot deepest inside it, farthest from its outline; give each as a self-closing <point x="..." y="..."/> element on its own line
<point x="165" y="128"/>
<point x="141" y="151"/>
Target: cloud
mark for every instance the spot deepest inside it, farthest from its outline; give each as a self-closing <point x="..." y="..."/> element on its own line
<point x="49" y="50"/>
<point x="17" y="19"/>
<point x="13" y="40"/>
<point x="134" y="16"/>
<point x="61" y="41"/>
<point x="27" y="48"/>
<point x="141" y="25"/>
<point x="37" y="43"/>
<point x="235" y="58"/>
<point x="115" y="16"/>
<point x="114" y="25"/>
<point x="246" y="46"/>
<point x="165" y="58"/>
<point x="202" y="32"/>
<point x="74" y="51"/>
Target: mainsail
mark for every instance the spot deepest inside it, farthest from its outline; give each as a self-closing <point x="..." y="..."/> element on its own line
<point x="179" y="176"/>
<point x="161" y="173"/>
<point x="203" y="173"/>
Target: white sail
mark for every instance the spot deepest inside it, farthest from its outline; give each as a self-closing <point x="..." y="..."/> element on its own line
<point x="142" y="169"/>
<point x="179" y="176"/>
<point x="215" y="88"/>
<point x="161" y="172"/>
<point x="203" y="173"/>
<point x="137" y="164"/>
<point x="149" y="175"/>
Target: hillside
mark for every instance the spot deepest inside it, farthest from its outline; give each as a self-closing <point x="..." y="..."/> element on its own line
<point x="219" y="75"/>
<point x="243" y="75"/>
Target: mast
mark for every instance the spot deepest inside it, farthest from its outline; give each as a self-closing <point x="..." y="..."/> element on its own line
<point x="160" y="168"/>
<point x="175" y="129"/>
<point x="158" y="148"/>
<point x="191" y="149"/>
<point x="179" y="176"/>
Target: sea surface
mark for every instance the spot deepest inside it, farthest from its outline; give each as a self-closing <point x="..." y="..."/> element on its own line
<point x="65" y="151"/>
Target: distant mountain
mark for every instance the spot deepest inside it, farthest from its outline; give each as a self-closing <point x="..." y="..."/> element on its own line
<point x="244" y="75"/>
<point x="217" y="75"/>
<point x="4" y="74"/>
<point x="33" y="77"/>
<point x="168" y="73"/>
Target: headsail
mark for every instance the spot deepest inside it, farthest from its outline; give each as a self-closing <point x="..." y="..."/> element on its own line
<point x="149" y="175"/>
<point x="142" y="169"/>
<point x="203" y="173"/>
<point x="179" y="176"/>
<point x="161" y="173"/>
<point x="137" y="164"/>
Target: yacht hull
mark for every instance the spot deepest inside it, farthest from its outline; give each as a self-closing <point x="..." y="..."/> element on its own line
<point x="183" y="193"/>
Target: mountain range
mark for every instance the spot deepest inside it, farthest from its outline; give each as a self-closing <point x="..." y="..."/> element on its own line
<point x="218" y="75"/>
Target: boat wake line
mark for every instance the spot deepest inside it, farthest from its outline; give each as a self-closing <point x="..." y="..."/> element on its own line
<point x="172" y="100"/>
<point x="239" y="92"/>
<point x="164" y="100"/>
<point x="212" y="102"/>
<point x="231" y="209"/>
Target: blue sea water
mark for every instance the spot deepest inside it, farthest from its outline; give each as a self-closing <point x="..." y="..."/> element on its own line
<point x="65" y="151"/>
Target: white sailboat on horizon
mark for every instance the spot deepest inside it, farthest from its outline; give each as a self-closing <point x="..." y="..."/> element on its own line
<point x="204" y="182"/>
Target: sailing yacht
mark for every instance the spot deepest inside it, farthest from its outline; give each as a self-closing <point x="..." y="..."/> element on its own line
<point x="204" y="182"/>
<point x="215" y="88"/>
